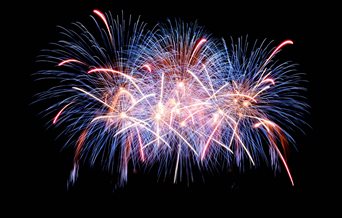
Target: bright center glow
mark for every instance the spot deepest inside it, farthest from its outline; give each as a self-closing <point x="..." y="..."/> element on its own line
<point x="158" y="116"/>
<point x="123" y="115"/>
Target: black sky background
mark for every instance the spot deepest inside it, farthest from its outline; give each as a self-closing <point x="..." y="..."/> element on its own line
<point x="36" y="170"/>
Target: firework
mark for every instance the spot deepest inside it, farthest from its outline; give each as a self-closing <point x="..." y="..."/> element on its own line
<point x="173" y="96"/>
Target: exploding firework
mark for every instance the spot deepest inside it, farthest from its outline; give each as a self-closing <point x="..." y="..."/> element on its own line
<point x="172" y="96"/>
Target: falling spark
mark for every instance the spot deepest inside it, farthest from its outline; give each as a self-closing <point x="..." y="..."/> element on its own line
<point x="59" y="113"/>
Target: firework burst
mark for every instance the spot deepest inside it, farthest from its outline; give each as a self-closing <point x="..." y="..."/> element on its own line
<point x="173" y="96"/>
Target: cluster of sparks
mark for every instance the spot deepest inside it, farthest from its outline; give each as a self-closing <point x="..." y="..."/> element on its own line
<point x="173" y="96"/>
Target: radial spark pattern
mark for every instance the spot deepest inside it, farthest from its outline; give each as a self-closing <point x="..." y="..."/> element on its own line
<point x="172" y="96"/>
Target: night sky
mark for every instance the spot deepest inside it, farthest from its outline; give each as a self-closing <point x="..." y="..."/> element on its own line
<point x="36" y="169"/>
